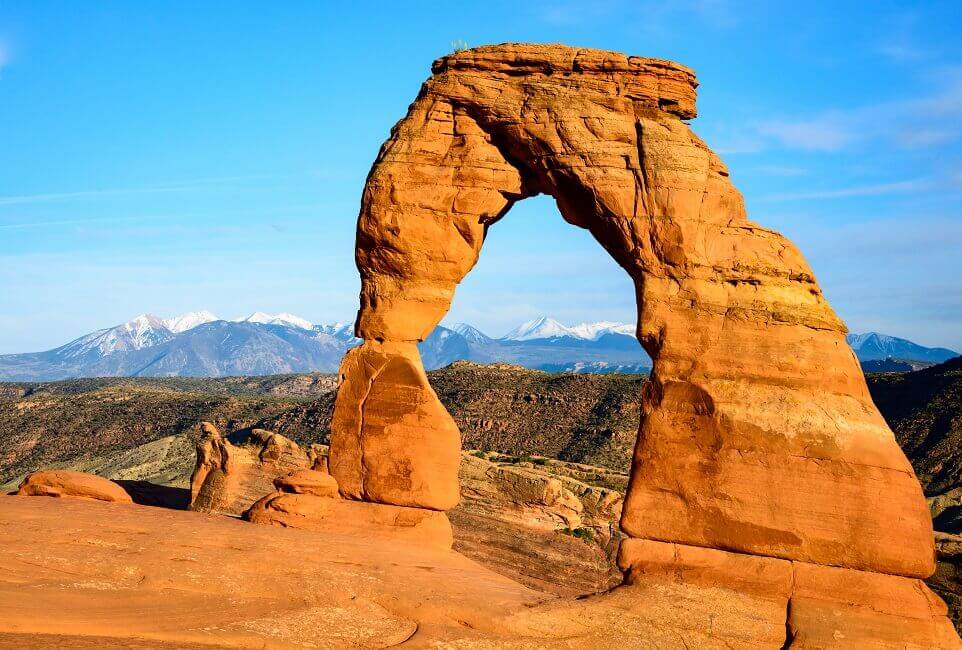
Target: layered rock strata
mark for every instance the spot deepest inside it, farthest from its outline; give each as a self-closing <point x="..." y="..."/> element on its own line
<point x="537" y="524"/>
<point x="759" y="437"/>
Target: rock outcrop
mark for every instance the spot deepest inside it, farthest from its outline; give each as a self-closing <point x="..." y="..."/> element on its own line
<point x="65" y="483"/>
<point x="228" y="478"/>
<point x="759" y="437"/>
<point x="947" y="579"/>
<point x="309" y="499"/>
<point x="80" y="574"/>
<point x="539" y="523"/>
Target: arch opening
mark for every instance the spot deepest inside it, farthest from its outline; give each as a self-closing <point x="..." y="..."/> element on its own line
<point x="533" y="265"/>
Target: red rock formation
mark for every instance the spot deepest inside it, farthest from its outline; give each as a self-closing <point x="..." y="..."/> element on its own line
<point x="228" y="478"/>
<point x="394" y="443"/>
<point x="309" y="499"/>
<point x="759" y="436"/>
<point x="307" y="481"/>
<point x="65" y="483"/>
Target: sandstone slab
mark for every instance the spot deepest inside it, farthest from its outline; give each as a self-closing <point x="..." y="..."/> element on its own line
<point x="307" y="481"/>
<point x="842" y="608"/>
<point x="79" y="573"/>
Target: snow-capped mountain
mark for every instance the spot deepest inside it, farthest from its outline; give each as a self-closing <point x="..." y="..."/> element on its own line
<point x="471" y="334"/>
<point x="200" y="344"/>
<point x="343" y="332"/>
<point x="872" y="346"/>
<point x="594" y="331"/>
<point x="277" y="319"/>
<point x="538" y="328"/>
<point x="189" y="321"/>
<point x="138" y="333"/>
<point x="545" y="327"/>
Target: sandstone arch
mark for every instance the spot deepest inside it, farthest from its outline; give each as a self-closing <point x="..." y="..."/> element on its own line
<point x="759" y="435"/>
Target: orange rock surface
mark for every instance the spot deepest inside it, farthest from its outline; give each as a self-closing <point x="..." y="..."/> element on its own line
<point x="307" y="481"/>
<point x="326" y="514"/>
<point x="83" y="574"/>
<point x="65" y="483"/>
<point x="759" y="436"/>
<point x="391" y="439"/>
<point x="842" y="608"/>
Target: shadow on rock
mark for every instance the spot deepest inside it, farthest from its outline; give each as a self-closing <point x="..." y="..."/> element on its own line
<point x="146" y="493"/>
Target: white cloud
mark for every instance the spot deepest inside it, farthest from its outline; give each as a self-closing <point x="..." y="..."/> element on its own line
<point x="925" y="120"/>
<point x="179" y="186"/>
<point x="878" y="189"/>
<point x="785" y="171"/>
<point x="923" y="137"/>
<point x="827" y="133"/>
<point x="901" y="52"/>
<point x="897" y="275"/>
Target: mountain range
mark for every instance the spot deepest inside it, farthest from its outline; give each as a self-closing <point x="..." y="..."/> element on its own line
<point x="199" y="344"/>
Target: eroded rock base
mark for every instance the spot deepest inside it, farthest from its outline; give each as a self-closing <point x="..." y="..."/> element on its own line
<point x="310" y="512"/>
<point x="392" y="441"/>
<point x="723" y="599"/>
<point x="115" y="575"/>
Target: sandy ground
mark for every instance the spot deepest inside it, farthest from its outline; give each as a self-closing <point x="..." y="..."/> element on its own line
<point x="85" y="574"/>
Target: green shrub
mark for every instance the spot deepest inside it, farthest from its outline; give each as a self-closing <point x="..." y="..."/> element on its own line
<point x="583" y="533"/>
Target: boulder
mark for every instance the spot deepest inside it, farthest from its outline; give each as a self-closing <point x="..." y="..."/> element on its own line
<point x="65" y="483"/>
<point x="307" y="481"/>
<point x="229" y="477"/>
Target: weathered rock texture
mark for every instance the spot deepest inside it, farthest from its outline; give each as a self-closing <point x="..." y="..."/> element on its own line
<point x="309" y="499"/>
<point x="75" y="573"/>
<point x="65" y="483"/>
<point x="394" y="443"/>
<point x="417" y="526"/>
<point x="229" y="478"/>
<point x="947" y="579"/>
<point x="759" y="435"/>
<point x="539" y="523"/>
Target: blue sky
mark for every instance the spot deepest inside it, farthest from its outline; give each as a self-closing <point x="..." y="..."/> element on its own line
<point x="168" y="157"/>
